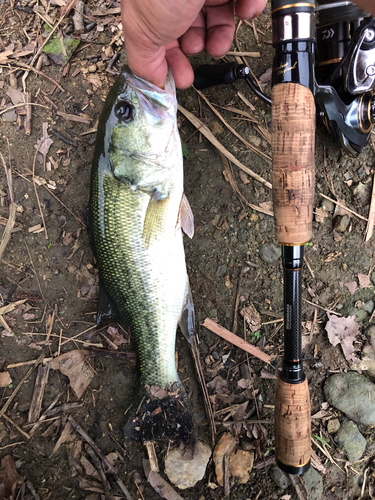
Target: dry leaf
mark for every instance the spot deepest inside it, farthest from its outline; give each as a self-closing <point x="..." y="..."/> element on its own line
<point x="343" y="331"/>
<point x="89" y="468"/>
<point x="351" y="286"/>
<point x="74" y="365"/>
<point x="225" y="446"/>
<point x="252" y="317"/>
<point x="240" y="464"/>
<point x="43" y="144"/>
<point x="8" y="478"/>
<point x="266" y="205"/>
<point x="364" y="280"/>
<point x="5" y="379"/>
<point x="320" y="214"/>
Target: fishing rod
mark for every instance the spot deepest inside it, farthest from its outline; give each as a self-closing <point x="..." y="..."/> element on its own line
<point x="336" y="88"/>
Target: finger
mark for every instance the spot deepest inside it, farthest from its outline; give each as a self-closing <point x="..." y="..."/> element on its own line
<point x="194" y="40"/>
<point x="148" y="63"/>
<point x="220" y="28"/>
<point x="180" y="66"/>
<point x="246" y="9"/>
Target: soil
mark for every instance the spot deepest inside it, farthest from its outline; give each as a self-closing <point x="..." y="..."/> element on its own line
<point x="54" y="270"/>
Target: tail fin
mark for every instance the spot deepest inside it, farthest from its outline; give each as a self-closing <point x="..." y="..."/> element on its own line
<point x="162" y="415"/>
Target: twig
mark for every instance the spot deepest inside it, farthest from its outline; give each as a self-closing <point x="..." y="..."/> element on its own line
<point x="12" y="210"/>
<point x="371" y="214"/>
<point x="234" y="132"/>
<point x="21" y="431"/>
<point x="102" y="457"/>
<point x="21" y="105"/>
<point x="308" y="266"/>
<point x="299" y="486"/>
<point x="241" y="54"/>
<point x="235" y="340"/>
<point x="321" y="307"/>
<point x="36" y="192"/>
<point x="234" y="326"/>
<point x="28" y="117"/>
<point x="343" y="206"/>
<point x="14" y="393"/>
<point x="210" y="136"/>
<point x="202" y="383"/>
<point x="38" y="393"/>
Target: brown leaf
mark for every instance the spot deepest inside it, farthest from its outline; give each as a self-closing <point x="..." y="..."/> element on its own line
<point x="219" y="385"/>
<point x="5" y="379"/>
<point x="225" y="446"/>
<point x="320" y="214"/>
<point x="240" y="464"/>
<point x="364" y="280"/>
<point x="252" y="317"/>
<point x="343" y="331"/>
<point x="351" y="286"/>
<point x="74" y="365"/>
<point x="8" y="478"/>
<point x="43" y="144"/>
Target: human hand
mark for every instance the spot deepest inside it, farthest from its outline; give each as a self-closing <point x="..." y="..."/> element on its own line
<point x="159" y="33"/>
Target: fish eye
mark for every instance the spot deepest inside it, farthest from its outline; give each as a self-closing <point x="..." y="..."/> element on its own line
<point x="124" y="111"/>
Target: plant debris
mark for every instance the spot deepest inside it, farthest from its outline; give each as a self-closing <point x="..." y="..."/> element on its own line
<point x="343" y="331"/>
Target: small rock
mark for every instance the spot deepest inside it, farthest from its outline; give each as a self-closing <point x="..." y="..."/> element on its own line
<point x="314" y="484"/>
<point x="362" y="193"/>
<point x="255" y="140"/>
<point x="341" y="223"/>
<point x="269" y="253"/>
<point x="328" y="205"/>
<point x="9" y="116"/>
<point x="92" y="68"/>
<point x="353" y="394"/>
<point x="185" y="473"/>
<point x="368" y="306"/>
<point x="350" y="440"/>
<point x="333" y="425"/>
<point x="280" y="477"/>
<point x="360" y="314"/>
<point x="221" y="271"/>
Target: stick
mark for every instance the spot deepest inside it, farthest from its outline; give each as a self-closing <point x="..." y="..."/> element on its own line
<point x="102" y="457"/>
<point x="13" y="395"/>
<point x="21" y="431"/>
<point x="37" y="399"/>
<point x="371" y="215"/>
<point x="28" y="118"/>
<point x="235" y="340"/>
<point x="210" y="136"/>
<point x="12" y="210"/>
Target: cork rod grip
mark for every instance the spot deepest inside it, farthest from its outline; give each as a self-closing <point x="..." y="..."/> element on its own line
<point x="292" y="425"/>
<point x="293" y="164"/>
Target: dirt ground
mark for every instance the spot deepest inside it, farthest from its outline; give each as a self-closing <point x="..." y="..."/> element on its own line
<point x="49" y="263"/>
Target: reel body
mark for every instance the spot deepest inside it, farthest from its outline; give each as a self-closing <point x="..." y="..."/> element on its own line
<point x="345" y="72"/>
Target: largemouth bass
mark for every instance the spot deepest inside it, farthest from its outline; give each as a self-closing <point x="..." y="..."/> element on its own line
<point x="137" y="210"/>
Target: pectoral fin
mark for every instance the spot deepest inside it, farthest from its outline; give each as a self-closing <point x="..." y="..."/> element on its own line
<point x="154" y="219"/>
<point x="187" y="318"/>
<point x="186" y="217"/>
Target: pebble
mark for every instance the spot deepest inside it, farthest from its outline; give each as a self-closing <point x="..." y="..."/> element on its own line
<point x="368" y="306"/>
<point x="185" y="473"/>
<point x="350" y="440"/>
<point x="362" y="193"/>
<point x="353" y="394"/>
<point x="333" y="425"/>
<point x="328" y="205"/>
<point x="280" y="478"/>
<point x="314" y="484"/>
<point x="270" y="253"/>
<point x="221" y="271"/>
<point x="9" y="116"/>
<point x="92" y="68"/>
<point x="341" y="223"/>
<point x="360" y="314"/>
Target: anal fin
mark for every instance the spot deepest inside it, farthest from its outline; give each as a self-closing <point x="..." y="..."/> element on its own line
<point x="187" y="318"/>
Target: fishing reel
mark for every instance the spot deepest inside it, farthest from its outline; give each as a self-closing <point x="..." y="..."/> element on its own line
<point x="344" y="81"/>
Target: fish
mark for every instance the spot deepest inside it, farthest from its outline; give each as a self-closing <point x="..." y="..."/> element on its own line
<point x="137" y="211"/>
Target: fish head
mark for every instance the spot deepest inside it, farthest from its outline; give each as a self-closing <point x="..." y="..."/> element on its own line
<point x="143" y="136"/>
